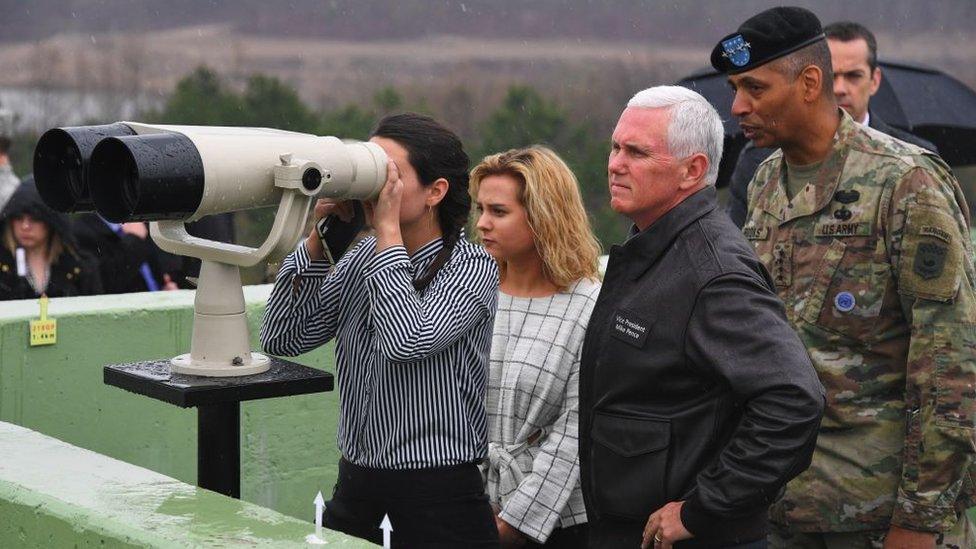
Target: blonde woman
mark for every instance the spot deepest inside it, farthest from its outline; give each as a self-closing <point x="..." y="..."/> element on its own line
<point x="531" y="220"/>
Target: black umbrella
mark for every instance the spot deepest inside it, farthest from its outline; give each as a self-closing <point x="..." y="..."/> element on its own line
<point x="922" y="100"/>
<point x="932" y="105"/>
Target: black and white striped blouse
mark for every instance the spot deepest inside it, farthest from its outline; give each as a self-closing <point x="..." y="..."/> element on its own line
<point x="412" y="367"/>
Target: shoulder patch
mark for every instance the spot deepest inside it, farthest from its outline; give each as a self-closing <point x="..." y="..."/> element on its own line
<point x="932" y="230"/>
<point x="931" y="257"/>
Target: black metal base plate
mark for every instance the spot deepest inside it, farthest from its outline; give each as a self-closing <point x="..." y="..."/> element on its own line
<point x="154" y="379"/>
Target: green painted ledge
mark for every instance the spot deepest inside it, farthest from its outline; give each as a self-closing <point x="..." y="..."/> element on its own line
<point x="288" y="450"/>
<point x="53" y="494"/>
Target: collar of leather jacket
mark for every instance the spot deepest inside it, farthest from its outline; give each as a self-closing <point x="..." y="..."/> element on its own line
<point x="653" y="241"/>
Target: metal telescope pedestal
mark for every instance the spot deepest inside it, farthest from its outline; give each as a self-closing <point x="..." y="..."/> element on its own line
<point x="218" y="403"/>
<point x="220" y="370"/>
<point x="216" y="375"/>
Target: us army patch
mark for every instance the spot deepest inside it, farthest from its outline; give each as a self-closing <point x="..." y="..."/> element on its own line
<point x="930" y="260"/>
<point x="862" y="228"/>
<point x="941" y="234"/>
<point x="629" y="328"/>
<point x="756" y="233"/>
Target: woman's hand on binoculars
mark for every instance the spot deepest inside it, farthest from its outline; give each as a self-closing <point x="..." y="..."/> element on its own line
<point x="324" y="207"/>
<point x="384" y="214"/>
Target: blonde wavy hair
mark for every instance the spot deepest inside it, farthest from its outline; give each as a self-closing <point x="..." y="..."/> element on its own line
<point x="551" y="197"/>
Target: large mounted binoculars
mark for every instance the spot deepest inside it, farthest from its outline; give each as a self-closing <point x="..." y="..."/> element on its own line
<point x="130" y="171"/>
<point x="171" y="175"/>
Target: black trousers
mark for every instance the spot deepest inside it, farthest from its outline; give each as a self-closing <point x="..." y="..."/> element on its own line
<point x="437" y="508"/>
<point x="572" y="537"/>
<point x="610" y="534"/>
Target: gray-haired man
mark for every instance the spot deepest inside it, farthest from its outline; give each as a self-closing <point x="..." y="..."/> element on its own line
<point x="697" y="400"/>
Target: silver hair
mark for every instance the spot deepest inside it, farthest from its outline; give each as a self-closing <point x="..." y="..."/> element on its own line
<point x="694" y="126"/>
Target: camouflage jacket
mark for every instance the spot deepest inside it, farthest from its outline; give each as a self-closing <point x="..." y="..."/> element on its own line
<point x="874" y="263"/>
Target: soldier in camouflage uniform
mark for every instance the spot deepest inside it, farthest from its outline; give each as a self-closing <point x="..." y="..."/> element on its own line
<point x="867" y="240"/>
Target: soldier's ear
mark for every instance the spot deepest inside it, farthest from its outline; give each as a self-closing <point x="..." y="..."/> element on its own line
<point x="811" y="82"/>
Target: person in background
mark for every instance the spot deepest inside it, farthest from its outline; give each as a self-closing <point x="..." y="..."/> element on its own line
<point x="857" y="77"/>
<point x="127" y="257"/>
<point x="867" y="240"/>
<point x="532" y="221"/>
<point x="411" y="310"/>
<point x="38" y="255"/>
<point x="8" y="180"/>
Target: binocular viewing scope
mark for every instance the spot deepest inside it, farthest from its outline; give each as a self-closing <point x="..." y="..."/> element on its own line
<point x="171" y="175"/>
<point x="129" y="171"/>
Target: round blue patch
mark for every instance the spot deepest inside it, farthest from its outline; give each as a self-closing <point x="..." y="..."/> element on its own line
<point x="844" y="302"/>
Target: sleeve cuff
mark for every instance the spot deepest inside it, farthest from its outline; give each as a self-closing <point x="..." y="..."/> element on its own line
<point x="522" y="526"/>
<point x="922" y="518"/>
<point x="694" y="518"/>
<point x="386" y="259"/>
<point x="306" y="267"/>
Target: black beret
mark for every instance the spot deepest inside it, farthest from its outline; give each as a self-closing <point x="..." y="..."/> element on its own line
<point x="764" y="37"/>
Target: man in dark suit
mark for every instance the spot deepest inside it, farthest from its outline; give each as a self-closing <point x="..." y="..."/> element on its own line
<point x="857" y="76"/>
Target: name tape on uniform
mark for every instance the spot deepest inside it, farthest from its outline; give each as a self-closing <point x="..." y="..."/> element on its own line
<point x="756" y="233"/>
<point x="941" y="234"/>
<point x="862" y="228"/>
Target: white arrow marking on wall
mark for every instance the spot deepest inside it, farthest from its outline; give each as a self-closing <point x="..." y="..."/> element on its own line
<point x="316" y="538"/>
<point x="319" y="507"/>
<point x="387" y="528"/>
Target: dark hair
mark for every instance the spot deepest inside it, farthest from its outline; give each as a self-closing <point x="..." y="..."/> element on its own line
<point x="817" y="54"/>
<point x="848" y="31"/>
<point x="434" y="152"/>
<point x="4" y="144"/>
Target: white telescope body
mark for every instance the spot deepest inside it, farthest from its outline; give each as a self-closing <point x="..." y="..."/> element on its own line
<point x="225" y="168"/>
<point x="232" y="169"/>
<point x="171" y="175"/>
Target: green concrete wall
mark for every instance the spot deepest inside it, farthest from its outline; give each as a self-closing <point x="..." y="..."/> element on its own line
<point x="288" y="448"/>
<point x="53" y="494"/>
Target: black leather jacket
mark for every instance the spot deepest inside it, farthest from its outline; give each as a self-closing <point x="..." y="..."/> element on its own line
<point x="693" y="385"/>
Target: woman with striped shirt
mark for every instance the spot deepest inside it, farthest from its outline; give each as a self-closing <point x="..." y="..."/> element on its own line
<point x="533" y="223"/>
<point x="411" y="310"/>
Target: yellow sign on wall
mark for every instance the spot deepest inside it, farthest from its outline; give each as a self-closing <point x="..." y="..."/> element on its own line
<point x="43" y="331"/>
